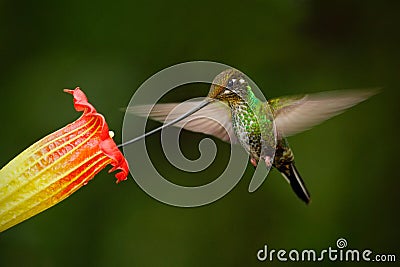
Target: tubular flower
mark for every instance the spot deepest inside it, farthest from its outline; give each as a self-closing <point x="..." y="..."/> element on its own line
<point x="59" y="164"/>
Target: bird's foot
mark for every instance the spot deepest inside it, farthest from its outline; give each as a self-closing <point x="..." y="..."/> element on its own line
<point x="253" y="162"/>
<point x="268" y="161"/>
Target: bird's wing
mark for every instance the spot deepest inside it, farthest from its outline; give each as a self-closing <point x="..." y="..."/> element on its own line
<point x="214" y="119"/>
<point x="295" y="114"/>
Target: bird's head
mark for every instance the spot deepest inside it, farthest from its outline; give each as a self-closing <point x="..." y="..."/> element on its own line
<point x="229" y="85"/>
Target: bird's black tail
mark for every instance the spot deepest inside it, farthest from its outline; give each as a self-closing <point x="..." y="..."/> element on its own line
<point x="292" y="175"/>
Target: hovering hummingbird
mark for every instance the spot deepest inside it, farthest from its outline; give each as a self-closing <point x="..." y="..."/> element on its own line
<point x="234" y="114"/>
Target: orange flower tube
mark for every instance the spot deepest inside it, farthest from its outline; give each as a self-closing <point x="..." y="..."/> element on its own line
<point x="57" y="165"/>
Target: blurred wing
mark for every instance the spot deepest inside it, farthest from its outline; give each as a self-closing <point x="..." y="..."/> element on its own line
<point x="299" y="113"/>
<point x="214" y="119"/>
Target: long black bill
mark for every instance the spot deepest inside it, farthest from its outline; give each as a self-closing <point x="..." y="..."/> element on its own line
<point x="184" y="116"/>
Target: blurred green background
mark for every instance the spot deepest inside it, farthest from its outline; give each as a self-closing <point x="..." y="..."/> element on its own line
<point x="287" y="47"/>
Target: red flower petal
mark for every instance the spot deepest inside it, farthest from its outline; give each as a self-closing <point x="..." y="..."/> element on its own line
<point x="107" y="144"/>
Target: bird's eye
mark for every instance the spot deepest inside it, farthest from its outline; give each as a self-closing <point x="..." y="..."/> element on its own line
<point x="231" y="82"/>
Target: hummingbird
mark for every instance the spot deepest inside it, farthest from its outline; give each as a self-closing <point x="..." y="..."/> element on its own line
<point x="232" y="113"/>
